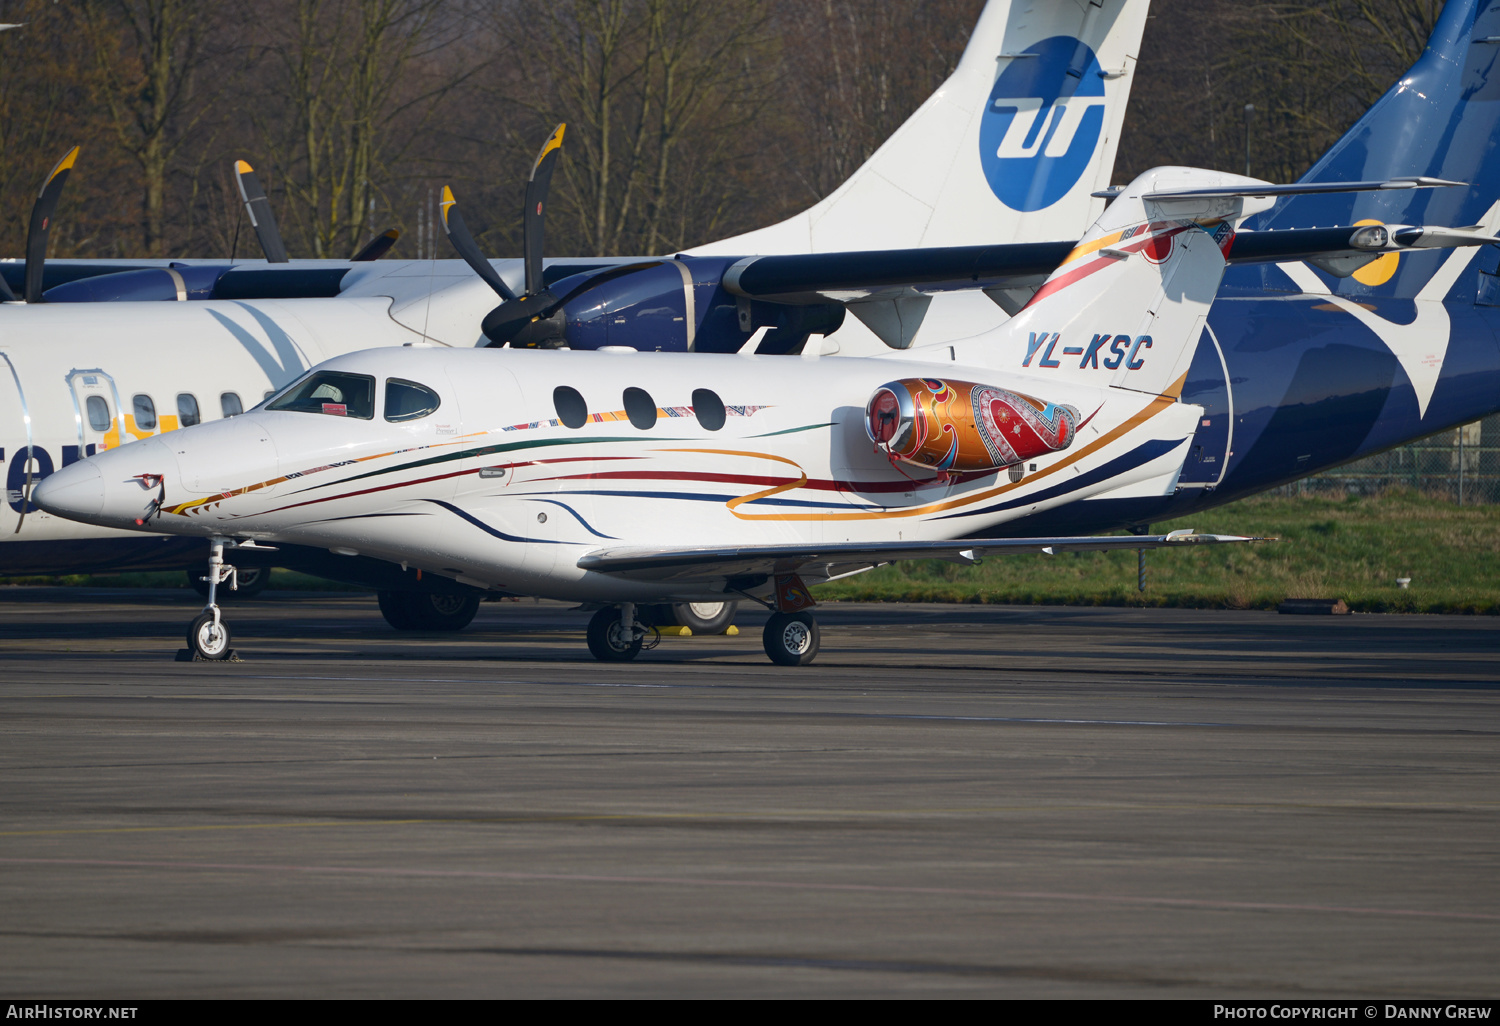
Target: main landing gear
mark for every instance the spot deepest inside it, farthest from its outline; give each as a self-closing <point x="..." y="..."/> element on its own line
<point x="616" y="636"/>
<point x="791" y="636"/>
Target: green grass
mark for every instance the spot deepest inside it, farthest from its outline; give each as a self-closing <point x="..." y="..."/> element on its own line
<point x="1351" y="548"/>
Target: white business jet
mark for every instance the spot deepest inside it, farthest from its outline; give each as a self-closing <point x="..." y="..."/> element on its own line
<point x="622" y="478"/>
<point x="1011" y="147"/>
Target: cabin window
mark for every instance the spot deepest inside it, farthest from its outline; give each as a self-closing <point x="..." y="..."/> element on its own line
<point x="708" y="408"/>
<point x="98" y="411"/>
<point x="571" y="409"/>
<point x="187" y="409"/>
<point x="229" y="402"/>
<point x="145" y="412"/>
<point x="640" y="408"/>
<point x="407" y="400"/>
<point x="331" y="393"/>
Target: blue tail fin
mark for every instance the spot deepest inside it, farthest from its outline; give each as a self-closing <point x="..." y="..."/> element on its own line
<point x="1441" y="119"/>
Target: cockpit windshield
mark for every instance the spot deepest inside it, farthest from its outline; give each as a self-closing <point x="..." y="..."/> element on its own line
<point x="332" y="393"/>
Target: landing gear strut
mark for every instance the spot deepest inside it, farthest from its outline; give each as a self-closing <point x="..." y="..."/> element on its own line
<point x="208" y="635"/>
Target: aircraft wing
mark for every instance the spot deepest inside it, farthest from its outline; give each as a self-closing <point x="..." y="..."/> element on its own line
<point x="875" y="274"/>
<point x="752" y="565"/>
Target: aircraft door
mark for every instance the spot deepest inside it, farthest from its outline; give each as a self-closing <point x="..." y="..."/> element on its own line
<point x="96" y="414"/>
<point x="1208" y="386"/>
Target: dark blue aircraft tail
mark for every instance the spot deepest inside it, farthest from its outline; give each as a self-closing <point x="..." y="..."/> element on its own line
<point x="1441" y="119"/>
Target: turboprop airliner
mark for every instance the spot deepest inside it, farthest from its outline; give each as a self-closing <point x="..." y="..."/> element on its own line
<point x="79" y="374"/>
<point x="624" y="478"/>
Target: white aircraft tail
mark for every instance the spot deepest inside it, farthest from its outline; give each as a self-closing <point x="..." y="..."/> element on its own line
<point x="1007" y="150"/>
<point x="1127" y="306"/>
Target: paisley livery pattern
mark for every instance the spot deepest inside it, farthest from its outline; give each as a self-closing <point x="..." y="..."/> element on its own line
<point x="957" y="426"/>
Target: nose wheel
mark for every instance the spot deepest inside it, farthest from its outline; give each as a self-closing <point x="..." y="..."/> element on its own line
<point x="208" y="636"/>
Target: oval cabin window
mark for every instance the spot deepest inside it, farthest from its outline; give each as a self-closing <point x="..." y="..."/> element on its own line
<point x="229" y="403"/>
<point x="571" y="409"/>
<point x="640" y="408"/>
<point x="98" y="413"/>
<point x="708" y="408"/>
<point x="187" y="409"/>
<point x="145" y="412"/>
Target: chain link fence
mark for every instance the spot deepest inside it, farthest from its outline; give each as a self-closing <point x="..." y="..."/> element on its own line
<point x="1462" y="465"/>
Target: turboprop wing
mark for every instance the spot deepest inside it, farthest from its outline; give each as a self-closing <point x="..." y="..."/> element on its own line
<point x="747" y="566"/>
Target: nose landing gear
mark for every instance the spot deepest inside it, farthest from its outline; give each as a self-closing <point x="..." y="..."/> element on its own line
<point x="208" y="635"/>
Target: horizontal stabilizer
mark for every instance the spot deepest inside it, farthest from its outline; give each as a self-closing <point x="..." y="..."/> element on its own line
<point x="825" y="562"/>
<point x="1269" y="191"/>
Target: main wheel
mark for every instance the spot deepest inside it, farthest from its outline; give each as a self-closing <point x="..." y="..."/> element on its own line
<point x="397" y="609"/>
<point x="791" y="639"/>
<point x="208" y="639"/>
<point x="705" y="617"/>
<point x="435" y="612"/>
<point x="608" y="641"/>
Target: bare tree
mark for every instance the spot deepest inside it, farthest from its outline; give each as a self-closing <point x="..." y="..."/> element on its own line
<point x="148" y="54"/>
<point x="347" y="94"/>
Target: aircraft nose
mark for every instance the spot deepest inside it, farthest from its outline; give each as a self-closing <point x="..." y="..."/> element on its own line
<point x="75" y="492"/>
<point x="116" y="488"/>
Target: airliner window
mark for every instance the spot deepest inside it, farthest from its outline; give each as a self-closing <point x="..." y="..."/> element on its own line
<point x="145" y="412"/>
<point x="407" y="400"/>
<point x="229" y="402"/>
<point x="571" y="409"/>
<point x="640" y="408"/>
<point x="98" y="411"/>
<point x="187" y="409"/>
<point x="708" y="408"/>
<point x="332" y="393"/>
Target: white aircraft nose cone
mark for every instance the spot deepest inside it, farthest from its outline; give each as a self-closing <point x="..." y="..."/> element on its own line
<point x="75" y="492"/>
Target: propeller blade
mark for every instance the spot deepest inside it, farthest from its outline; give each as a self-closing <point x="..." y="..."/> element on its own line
<point x="536" y="198"/>
<point x="458" y="234"/>
<point x="259" y="209"/>
<point x="377" y="247"/>
<point x="41" y="224"/>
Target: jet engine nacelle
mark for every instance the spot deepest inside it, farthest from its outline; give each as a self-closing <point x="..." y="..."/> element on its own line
<point x="962" y="426"/>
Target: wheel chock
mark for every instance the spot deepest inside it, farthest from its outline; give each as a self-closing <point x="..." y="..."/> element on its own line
<point x="187" y="655"/>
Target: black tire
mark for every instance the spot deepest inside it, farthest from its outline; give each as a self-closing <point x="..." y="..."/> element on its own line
<point x="396" y="607"/>
<point x="206" y="641"/>
<point x="705" y="617"/>
<point x="604" y="638"/>
<point x="791" y="639"/>
<point x="252" y="581"/>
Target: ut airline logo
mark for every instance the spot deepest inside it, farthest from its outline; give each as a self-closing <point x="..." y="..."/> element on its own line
<point x="1042" y="124"/>
<point x="1422" y="345"/>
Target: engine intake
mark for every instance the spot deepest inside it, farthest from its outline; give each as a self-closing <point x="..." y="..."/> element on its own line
<point x="962" y="426"/>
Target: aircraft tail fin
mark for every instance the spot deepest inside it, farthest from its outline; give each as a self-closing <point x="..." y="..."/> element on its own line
<point x="1126" y="307"/>
<point x="1440" y="120"/>
<point x="1008" y="148"/>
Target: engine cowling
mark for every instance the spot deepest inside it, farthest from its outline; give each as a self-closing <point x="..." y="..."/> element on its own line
<point x="958" y="426"/>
